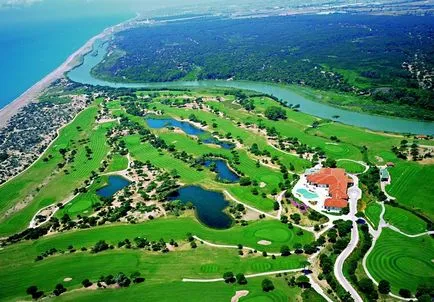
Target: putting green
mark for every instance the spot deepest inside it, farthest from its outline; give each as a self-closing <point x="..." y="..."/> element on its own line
<point x="403" y="261"/>
<point x="273" y="234"/>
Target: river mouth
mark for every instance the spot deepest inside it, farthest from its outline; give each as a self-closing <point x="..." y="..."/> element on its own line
<point x="209" y="205"/>
<point x="115" y="184"/>
<point x="82" y="74"/>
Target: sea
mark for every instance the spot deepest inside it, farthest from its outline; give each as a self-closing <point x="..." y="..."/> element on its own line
<point x="36" y="37"/>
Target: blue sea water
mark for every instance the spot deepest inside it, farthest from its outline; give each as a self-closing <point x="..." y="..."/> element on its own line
<point x="35" y="40"/>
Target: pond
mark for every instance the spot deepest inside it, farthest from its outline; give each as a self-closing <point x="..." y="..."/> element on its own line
<point x="223" y="170"/>
<point x="115" y="184"/>
<point x="82" y="74"/>
<point x="209" y="206"/>
<point x="187" y="128"/>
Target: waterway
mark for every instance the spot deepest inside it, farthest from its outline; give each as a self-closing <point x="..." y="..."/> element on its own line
<point x="82" y="74"/>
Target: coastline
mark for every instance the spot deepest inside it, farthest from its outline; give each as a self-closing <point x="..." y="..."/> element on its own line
<point x="70" y="63"/>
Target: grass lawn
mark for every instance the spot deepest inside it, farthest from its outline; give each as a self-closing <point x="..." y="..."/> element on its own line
<point x="405" y="262"/>
<point x="412" y="187"/>
<point x="350" y="166"/>
<point x="404" y="220"/>
<point x="373" y="211"/>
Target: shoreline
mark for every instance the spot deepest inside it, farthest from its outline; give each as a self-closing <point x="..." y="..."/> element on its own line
<point x="31" y="94"/>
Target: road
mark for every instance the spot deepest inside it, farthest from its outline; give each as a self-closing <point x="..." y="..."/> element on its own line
<point x="354" y="195"/>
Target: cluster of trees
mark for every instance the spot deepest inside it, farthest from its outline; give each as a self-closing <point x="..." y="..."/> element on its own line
<point x="318" y="51"/>
<point x="275" y="113"/>
<point x="371" y="180"/>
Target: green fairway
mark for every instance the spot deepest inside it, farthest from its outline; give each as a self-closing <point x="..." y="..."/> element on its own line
<point x="48" y="187"/>
<point x="404" y="262"/>
<point x="373" y="211"/>
<point x="404" y="220"/>
<point x="18" y="269"/>
<point x="117" y="163"/>
<point x="411" y="186"/>
<point x="185" y="291"/>
<point x="350" y="166"/>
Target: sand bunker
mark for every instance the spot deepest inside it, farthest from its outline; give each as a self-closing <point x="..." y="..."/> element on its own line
<point x="239" y="294"/>
<point x="264" y="242"/>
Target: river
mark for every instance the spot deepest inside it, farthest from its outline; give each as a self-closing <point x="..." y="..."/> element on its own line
<point x="81" y="74"/>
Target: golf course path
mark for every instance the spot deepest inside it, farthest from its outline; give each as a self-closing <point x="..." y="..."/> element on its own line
<point x="394" y="228"/>
<point x="247" y="206"/>
<point x="231" y="246"/>
<point x="247" y="276"/>
<point x="318" y="288"/>
<point x="354" y="194"/>
<point x="279" y="201"/>
<point x="64" y="202"/>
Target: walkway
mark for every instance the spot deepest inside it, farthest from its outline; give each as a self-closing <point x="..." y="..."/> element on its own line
<point x="247" y="276"/>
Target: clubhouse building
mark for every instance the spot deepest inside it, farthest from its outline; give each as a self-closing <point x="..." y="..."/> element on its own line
<point x="324" y="189"/>
<point x="337" y="183"/>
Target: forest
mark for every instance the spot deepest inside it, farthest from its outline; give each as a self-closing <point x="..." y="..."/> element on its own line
<point x="384" y="59"/>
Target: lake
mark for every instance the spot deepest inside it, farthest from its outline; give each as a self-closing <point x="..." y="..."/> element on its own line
<point x="222" y="169"/>
<point x="115" y="184"/>
<point x="188" y="128"/>
<point x="209" y="206"/>
<point x="82" y="74"/>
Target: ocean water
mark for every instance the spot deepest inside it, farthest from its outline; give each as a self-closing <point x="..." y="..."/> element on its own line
<point x="34" y="40"/>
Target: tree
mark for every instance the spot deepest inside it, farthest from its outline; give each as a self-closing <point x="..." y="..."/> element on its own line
<point x="285" y="251"/>
<point x="86" y="283"/>
<point x="122" y="280"/>
<point x="229" y="277"/>
<point x="59" y="289"/>
<point x="330" y="163"/>
<point x="303" y="281"/>
<point x="267" y="285"/>
<point x="406" y="293"/>
<point x="245" y="181"/>
<point x="34" y="292"/>
<point x="384" y="287"/>
<point x="366" y="285"/>
<point x="241" y="279"/>
<point x="424" y="289"/>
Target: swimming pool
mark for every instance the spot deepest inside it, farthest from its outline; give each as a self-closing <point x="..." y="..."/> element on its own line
<point x="307" y="194"/>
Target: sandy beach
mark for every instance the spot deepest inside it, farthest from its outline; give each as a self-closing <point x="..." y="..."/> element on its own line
<point x="72" y="61"/>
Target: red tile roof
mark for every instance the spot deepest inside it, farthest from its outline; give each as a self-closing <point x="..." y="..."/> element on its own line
<point x="335" y="203"/>
<point x="337" y="181"/>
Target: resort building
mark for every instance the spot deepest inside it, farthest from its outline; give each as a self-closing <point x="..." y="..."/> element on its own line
<point x="337" y="183"/>
<point x="384" y="174"/>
